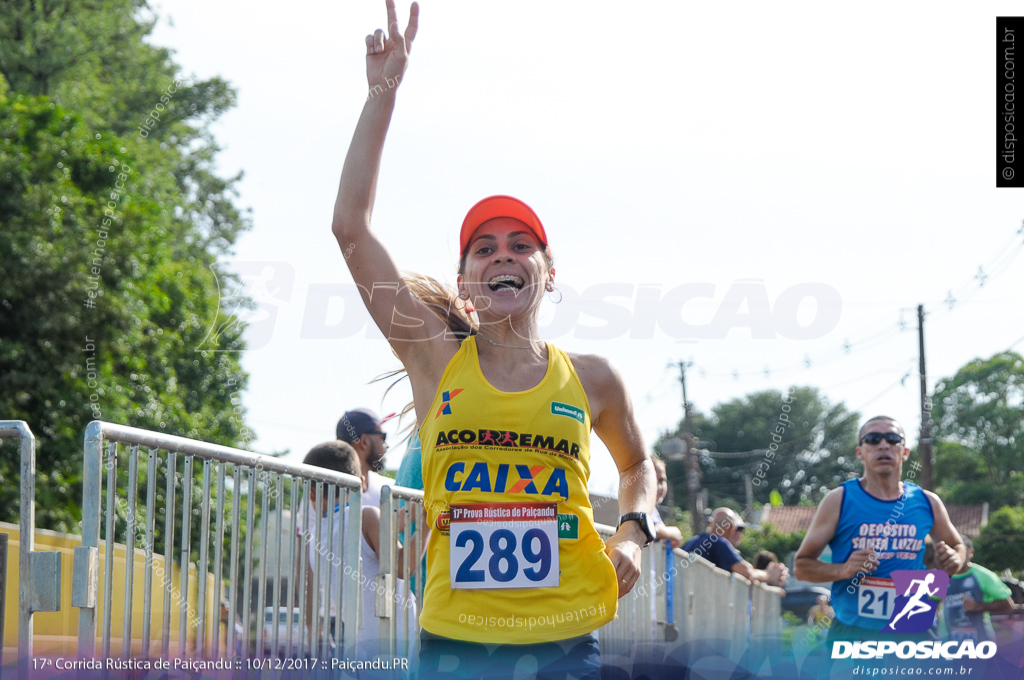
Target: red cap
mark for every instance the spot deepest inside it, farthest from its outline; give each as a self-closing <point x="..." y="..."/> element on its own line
<point x="499" y="206"/>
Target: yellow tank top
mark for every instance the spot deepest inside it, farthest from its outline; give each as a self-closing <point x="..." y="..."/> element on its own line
<point x="498" y="456"/>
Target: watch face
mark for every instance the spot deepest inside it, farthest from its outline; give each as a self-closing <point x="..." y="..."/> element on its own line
<point x="648" y="528"/>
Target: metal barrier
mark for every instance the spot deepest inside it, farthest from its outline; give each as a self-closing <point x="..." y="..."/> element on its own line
<point x="674" y="602"/>
<point x="721" y="607"/>
<point x="634" y="625"/>
<point x="254" y="480"/>
<point x="391" y="591"/>
<point x="40" y="571"/>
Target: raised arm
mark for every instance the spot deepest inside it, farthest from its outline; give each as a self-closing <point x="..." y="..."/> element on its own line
<point x="612" y="418"/>
<point x="416" y="334"/>
<point x="371" y="532"/>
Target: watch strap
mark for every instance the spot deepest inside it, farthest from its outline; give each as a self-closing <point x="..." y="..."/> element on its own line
<point x="641" y="518"/>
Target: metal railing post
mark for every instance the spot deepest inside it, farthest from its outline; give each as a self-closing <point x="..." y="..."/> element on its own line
<point x="28" y="529"/>
<point x="86" y="567"/>
<point x="39" y="583"/>
<point x="3" y="587"/>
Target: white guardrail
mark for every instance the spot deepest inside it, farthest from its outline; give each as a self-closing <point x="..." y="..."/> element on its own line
<point x="255" y="480"/>
<point x="677" y="600"/>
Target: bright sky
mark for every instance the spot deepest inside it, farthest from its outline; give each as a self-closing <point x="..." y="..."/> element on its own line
<point x="743" y="185"/>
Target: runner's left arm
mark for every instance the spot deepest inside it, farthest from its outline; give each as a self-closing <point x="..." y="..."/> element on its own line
<point x="950" y="552"/>
<point x="612" y="419"/>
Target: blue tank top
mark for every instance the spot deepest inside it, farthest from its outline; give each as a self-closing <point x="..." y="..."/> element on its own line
<point x="896" y="530"/>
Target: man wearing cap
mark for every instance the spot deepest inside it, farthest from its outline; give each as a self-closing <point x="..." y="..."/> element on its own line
<point x="718" y="546"/>
<point x="361" y="429"/>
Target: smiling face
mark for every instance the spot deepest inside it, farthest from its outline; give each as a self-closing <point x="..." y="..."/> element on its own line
<point x="882" y="458"/>
<point x="505" y="270"/>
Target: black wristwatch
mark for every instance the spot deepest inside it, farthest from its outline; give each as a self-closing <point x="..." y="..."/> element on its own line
<point x="643" y="520"/>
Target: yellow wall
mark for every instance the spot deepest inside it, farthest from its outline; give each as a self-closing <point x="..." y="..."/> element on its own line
<point x="57" y="632"/>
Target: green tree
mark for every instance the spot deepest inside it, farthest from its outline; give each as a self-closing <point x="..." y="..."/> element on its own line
<point x="796" y="443"/>
<point x="768" y="538"/>
<point x="979" y="421"/>
<point x="110" y="236"/>
<point x="961" y="477"/>
<point x="1000" y="545"/>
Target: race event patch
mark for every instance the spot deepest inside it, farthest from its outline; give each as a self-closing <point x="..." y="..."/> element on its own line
<point x="504" y="545"/>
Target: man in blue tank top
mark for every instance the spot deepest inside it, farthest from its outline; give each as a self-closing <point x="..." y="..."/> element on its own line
<point x="875" y="525"/>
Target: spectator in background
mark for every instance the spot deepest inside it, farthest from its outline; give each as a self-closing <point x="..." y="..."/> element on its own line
<point x="718" y="546"/>
<point x="410" y="471"/>
<point x="410" y="476"/>
<point x="662" y="531"/>
<point x="360" y="429"/>
<point x="768" y="562"/>
<point x="764" y="558"/>
<point x="341" y="457"/>
<point x="820" y="616"/>
<point x="974" y="592"/>
<point x="239" y="632"/>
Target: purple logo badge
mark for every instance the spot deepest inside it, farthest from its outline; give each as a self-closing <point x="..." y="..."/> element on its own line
<point x="921" y="591"/>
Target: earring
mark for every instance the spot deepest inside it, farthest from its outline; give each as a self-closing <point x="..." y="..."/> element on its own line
<point x="555" y="290"/>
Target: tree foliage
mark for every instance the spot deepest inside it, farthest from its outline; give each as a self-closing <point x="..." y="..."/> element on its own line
<point x="109" y="239"/>
<point x="796" y="443"/>
<point x="1000" y="544"/>
<point x="768" y="538"/>
<point x="979" y="426"/>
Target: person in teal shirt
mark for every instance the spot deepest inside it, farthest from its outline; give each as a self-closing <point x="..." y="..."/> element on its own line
<point x="410" y="476"/>
<point x="410" y="472"/>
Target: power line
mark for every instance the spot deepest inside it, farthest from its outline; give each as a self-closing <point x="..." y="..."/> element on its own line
<point x="986" y="273"/>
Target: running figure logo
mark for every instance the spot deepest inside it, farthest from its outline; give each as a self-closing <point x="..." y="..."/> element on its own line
<point x="915" y="608"/>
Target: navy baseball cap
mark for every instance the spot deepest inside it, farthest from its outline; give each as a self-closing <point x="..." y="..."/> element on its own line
<point x="354" y="424"/>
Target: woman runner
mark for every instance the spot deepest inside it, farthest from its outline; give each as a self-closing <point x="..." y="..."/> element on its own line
<point x="516" y="568"/>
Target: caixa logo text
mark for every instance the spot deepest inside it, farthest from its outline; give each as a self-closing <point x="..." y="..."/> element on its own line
<point x="926" y="649"/>
<point x="604" y="311"/>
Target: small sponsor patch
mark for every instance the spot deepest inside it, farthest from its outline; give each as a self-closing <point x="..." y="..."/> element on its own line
<point x="568" y="410"/>
<point x="446" y="406"/>
<point x="568" y="526"/>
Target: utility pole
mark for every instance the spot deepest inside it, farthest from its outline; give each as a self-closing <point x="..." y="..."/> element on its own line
<point x="690" y="462"/>
<point x="749" y="483"/>
<point x="925" y="446"/>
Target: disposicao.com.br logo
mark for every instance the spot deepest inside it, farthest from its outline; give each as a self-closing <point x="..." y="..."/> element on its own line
<point x="914" y="613"/>
<point x="928" y="649"/>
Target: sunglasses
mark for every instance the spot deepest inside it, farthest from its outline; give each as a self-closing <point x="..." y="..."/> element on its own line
<point x="383" y="435"/>
<point x="874" y="438"/>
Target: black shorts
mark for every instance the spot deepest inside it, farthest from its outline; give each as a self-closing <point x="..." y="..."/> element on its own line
<point x="841" y="631"/>
<point x="442" y="657"/>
